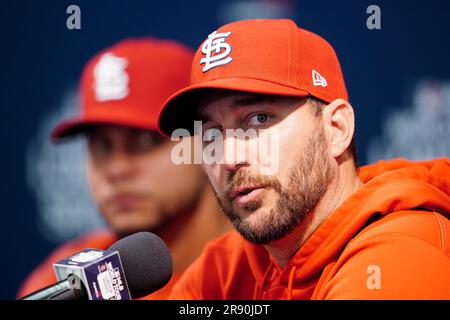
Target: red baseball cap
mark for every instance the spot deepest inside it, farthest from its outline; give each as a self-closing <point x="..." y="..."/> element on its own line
<point x="127" y="83"/>
<point x="261" y="56"/>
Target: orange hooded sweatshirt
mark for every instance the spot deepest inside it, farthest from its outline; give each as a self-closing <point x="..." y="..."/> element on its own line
<point x="389" y="240"/>
<point x="44" y="275"/>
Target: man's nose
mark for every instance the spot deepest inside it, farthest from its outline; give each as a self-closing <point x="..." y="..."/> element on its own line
<point x="235" y="154"/>
<point x="119" y="166"/>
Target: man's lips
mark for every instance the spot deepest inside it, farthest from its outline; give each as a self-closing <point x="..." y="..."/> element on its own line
<point x="245" y="194"/>
<point x="124" y="201"/>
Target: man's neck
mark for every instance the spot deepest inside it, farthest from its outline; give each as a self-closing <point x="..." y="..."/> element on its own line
<point x="345" y="183"/>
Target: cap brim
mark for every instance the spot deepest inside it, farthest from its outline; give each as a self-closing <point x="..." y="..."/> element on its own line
<point x="179" y="110"/>
<point x="72" y="127"/>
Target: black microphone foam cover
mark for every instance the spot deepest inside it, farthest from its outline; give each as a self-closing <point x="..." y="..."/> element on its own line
<point x="146" y="261"/>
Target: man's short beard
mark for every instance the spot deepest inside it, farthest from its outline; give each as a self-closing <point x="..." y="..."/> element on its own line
<point x="308" y="182"/>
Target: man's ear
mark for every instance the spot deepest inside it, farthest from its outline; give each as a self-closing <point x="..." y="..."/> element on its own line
<point x="339" y="125"/>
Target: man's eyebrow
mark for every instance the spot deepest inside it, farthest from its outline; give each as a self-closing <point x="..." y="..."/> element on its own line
<point x="203" y="117"/>
<point x="240" y="102"/>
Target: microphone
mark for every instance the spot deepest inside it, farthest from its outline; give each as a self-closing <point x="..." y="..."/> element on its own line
<point x="147" y="262"/>
<point x="68" y="289"/>
<point x="132" y="267"/>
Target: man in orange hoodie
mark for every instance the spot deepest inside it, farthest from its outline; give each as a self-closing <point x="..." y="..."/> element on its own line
<point x="317" y="227"/>
<point x="131" y="177"/>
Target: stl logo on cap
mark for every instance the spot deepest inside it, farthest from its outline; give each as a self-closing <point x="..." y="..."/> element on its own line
<point x="212" y="49"/>
<point x="111" y="79"/>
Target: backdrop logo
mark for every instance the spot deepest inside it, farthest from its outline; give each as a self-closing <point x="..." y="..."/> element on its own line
<point x="52" y="168"/>
<point x="418" y="130"/>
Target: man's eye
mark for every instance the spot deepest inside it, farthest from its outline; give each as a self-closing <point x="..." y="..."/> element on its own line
<point x="259" y="119"/>
<point x="99" y="147"/>
<point x="143" y="142"/>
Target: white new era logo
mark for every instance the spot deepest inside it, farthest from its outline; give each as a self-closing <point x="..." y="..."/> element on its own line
<point x="318" y="80"/>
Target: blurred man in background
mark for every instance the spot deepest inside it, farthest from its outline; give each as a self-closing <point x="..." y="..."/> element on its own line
<point x="133" y="181"/>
